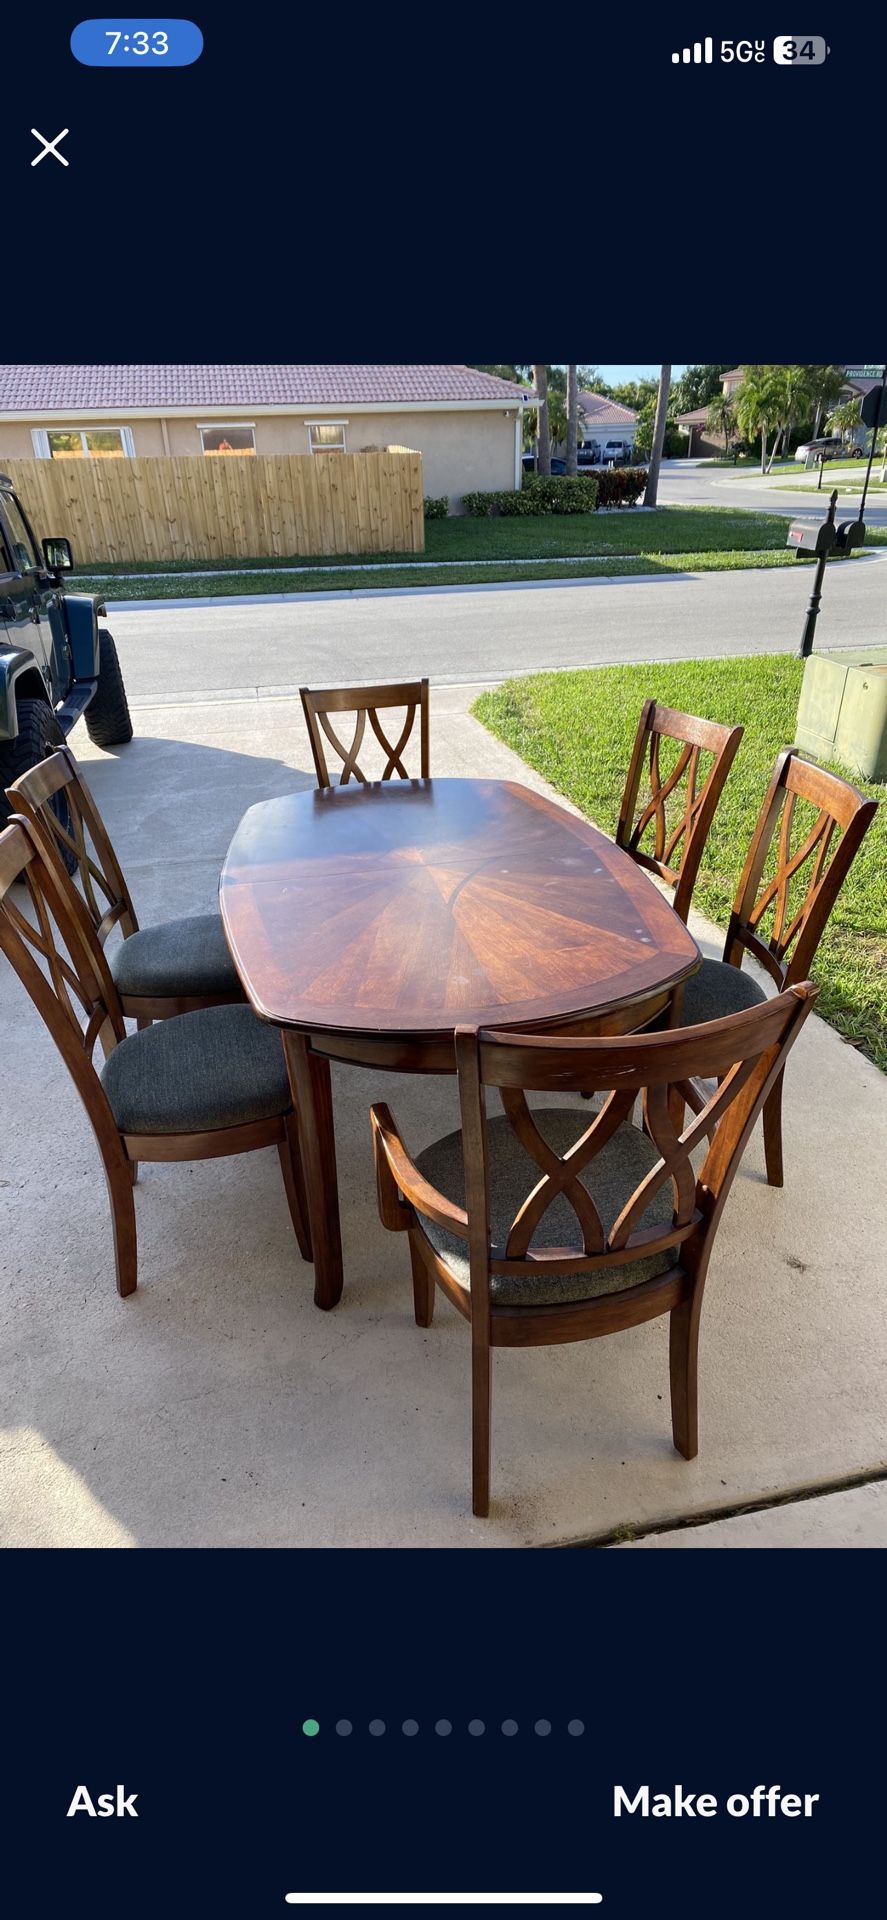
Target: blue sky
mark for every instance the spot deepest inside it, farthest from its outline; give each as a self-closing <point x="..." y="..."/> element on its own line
<point x="615" y="376"/>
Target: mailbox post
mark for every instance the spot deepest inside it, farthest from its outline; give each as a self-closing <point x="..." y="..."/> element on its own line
<point x="804" y="537"/>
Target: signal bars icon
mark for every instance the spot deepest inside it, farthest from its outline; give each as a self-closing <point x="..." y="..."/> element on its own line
<point x="696" y="56"/>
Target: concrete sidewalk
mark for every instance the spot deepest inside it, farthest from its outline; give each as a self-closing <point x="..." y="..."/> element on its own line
<point x="217" y="1406"/>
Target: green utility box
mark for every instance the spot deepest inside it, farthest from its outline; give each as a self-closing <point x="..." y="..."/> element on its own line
<point x="842" y="712"/>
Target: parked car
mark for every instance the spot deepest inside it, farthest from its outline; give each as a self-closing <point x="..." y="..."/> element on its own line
<point x="616" y="453"/>
<point x="589" y="456"/>
<point x="830" y="447"/>
<point x="529" y="464"/>
<point x="56" y="662"/>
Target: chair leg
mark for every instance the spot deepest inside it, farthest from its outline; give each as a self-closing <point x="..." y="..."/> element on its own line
<point x="481" y="1397"/>
<point x="123" y="1220"/>
<point x="423" y="1287"/>
<point x="290" y="1155"/>
<point x="683" y="1350"/>
<point x="773" y="1133"/>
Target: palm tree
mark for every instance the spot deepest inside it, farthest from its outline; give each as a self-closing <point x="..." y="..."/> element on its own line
<point x="791" y="386"/>
<point x="721" y="418"/>
<point x="757" y="403"/>
<point x="543" y="437"/>
<point x="572" y="420"/>
<point x="652" y="488"/>
<point x="824" y="387"/>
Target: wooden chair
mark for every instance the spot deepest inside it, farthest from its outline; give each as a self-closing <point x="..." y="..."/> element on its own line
<point x="783" y="903"/>
<point x="541" y="1228"/>
<point x="210" y="1083"/>
<point x="677" y="849"/>
<point x="366" y="702"/>
<point x="175" y="967"/>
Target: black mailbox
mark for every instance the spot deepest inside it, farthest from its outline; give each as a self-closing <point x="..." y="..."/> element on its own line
<point x="805" y="537"/>
<point x="851" y="533"/>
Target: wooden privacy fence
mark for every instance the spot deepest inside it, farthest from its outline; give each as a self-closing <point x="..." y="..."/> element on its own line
<point x="228" y="507"/>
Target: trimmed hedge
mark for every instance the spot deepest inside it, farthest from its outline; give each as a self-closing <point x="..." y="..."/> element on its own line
<point x="436" y="509"/>
<point x="541" y="494"/>
<point x="621" y="486"/>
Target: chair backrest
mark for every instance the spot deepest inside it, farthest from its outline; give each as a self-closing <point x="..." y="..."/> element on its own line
<point x="742" y="1054"/>
<point x="365" y="703"/>
<point x="59" y="961"/>
<point x="675" y="809"/>
<point x="56" y="800"/>
<point x="785" y="895"/>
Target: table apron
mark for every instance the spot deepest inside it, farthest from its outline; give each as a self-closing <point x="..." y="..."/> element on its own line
<point x="435" y="1052"/>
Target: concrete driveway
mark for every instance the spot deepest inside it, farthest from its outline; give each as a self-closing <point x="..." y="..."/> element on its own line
<point x="474" y="633"/>
<point x="217" y="1406"/>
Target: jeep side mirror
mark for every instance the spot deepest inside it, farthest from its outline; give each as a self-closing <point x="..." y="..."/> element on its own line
<point x="57" y="555"/>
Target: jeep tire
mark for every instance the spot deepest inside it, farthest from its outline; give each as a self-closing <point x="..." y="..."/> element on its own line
<point x="107" y="716"/>
<point x="38" y="735"/>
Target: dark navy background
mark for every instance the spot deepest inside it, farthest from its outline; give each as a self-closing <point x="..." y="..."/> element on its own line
<point x="437" y="184"/>
<point x="187" y="1678"/>
<point x="439" y="187"/>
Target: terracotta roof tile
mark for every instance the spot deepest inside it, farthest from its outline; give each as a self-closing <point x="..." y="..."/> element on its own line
<point x="600" y="411"/>
<point x="114" y="389"/>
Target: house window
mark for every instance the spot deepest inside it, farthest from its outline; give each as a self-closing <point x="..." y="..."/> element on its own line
<point x="82" y="443"/>
<point x="228" y="439"/>
<point x="327" y="436"/>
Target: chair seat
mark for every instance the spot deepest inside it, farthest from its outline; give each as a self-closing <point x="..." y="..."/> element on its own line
<point x="218" y="1067"/>
<point x="612" y="1177"/>
<point x="178" y="958"/>
<point x="716" y="990"/>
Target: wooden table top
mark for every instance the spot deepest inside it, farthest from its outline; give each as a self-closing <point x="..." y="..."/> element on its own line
<point x="418" y="906"/>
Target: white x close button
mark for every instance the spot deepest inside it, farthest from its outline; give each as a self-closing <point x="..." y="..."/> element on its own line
<point x="50" y="146"/>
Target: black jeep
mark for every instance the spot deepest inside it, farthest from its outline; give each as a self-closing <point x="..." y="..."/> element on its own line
<point x="56" y="662"/>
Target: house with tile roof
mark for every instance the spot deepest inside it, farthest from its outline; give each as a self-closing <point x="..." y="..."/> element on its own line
<point x="603" y="422"/>
<point x="467" y="425"/>
<point x="702" y="444"/>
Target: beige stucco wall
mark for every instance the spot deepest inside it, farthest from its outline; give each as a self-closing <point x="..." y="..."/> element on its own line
<point x="460" y="451"/>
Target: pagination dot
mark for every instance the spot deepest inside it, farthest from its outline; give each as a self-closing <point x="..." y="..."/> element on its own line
<point x="377" y="1727"/>
<point x="409" y="1728"/>
<point x="542" y="1727"/>
<point x="509" y="1728"/>
<point x="443" y="1727"/>
<point x="575" y="1727"/>
<point x="476" y="1727"/>
<point x="310" y="1727"/>
<point x="343" y="1727"/>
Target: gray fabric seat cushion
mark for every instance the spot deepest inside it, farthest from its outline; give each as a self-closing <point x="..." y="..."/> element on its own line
<point x="219" y="1067"/>
<point x="179" y="957"/>
<point x="612" y="1177"/>
<point x="716" y="990"/>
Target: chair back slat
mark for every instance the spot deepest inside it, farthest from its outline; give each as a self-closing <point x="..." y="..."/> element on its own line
<point x="56" y="799"/>
<point x="796" y="867"/>
<point x="366" y="703"/>
<point x="739" y="1055"/>
<point x="58" y="958"/>
<point x="677" y="832"/>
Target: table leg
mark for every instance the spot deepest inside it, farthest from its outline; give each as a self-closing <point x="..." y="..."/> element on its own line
<point x="309" y="1075"/>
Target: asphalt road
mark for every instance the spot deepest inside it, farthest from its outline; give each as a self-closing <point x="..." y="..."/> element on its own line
<point x="681" y="485"/>
<point x="470" y="634"/>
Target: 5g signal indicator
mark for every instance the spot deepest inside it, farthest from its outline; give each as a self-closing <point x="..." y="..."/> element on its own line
<point x="700" y="53"/>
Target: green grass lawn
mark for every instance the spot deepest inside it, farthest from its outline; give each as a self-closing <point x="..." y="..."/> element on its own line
<point x="548" y="536"/>
<point x="189" y="586"/>
<point x="577" y="728"/>
<point x="464" y="552"/>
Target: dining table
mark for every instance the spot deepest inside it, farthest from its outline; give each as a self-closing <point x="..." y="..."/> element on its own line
<point x="369" y="922"/>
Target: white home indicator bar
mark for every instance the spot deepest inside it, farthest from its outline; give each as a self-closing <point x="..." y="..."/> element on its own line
<point x="444" y="1899"/>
